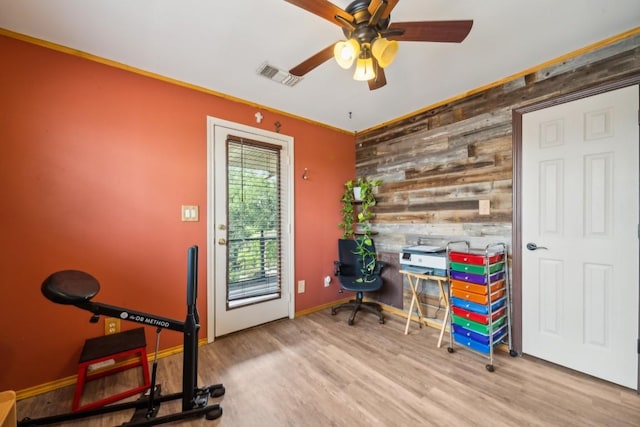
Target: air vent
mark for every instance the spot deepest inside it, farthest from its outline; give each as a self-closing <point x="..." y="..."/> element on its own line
<point x="278" y="75"/>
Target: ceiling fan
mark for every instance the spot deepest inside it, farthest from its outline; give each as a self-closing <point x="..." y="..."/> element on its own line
<point x="371" y="40"/>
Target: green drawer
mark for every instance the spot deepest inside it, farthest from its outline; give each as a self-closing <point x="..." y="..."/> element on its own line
<point x="476" y="269"/>
<point x="477" y="327"/>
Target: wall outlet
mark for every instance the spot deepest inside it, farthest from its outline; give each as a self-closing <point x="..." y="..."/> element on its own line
<point x="301" y="285"/>
<point x="111" y="325"/>
<point x="327" y="281"/>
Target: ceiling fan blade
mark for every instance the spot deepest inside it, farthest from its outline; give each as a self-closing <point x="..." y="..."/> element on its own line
<point x="324" y="9"/>
<point x="309" y="64"/>
<point x="380" y="79"/>
<point x="387" y="11"/>
<point x="431" y="31"/>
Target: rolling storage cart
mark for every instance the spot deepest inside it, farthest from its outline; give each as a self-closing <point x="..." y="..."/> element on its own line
<point x="480" y="298"/>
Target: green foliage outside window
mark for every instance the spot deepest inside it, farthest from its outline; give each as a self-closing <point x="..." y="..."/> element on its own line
<point x="253" y="218"/>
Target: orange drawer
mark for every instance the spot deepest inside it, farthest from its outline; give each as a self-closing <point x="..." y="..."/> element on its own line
<point x="477" y="298"/>
<point x="476" y="289"/>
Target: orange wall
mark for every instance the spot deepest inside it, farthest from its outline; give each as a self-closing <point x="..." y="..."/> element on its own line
<point x="94" y="165"/>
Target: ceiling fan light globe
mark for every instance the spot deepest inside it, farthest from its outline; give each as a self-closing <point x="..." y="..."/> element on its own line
<point x="384" y="51"/>
<point x="345" y="52"/>
<point x="364" y="70"/>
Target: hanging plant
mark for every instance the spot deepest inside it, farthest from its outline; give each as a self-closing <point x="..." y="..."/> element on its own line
<point x="367" y="258"/>
<point x="348" y="213"/>
<point x="353" y="217"/>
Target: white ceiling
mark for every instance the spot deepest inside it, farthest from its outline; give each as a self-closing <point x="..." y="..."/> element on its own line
<point x="219" y="45"/>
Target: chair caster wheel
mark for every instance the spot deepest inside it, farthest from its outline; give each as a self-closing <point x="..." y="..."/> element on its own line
<point x="450" y="349"/>
<point x="214" y="414"/>
<point x="489" y="368"/>
<point x="333" y="312"/>
<point x="381" y="321"/>
<point x="513" y="353"/>
<point x="350" y="322"/>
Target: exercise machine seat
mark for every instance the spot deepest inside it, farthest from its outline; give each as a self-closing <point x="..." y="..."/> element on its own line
<point x="70" y="287"/>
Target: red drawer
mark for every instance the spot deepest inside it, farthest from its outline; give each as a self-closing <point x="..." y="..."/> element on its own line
<point x="477" y="317"/>
<point x="476" y="259"/>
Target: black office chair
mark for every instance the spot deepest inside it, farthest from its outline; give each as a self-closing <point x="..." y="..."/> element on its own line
<point x="359" y="272"/>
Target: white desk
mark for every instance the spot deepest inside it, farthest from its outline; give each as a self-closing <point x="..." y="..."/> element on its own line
<point x="414" y="282"/>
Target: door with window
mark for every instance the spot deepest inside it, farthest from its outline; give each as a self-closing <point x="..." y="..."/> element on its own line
<point x="249" y="228"/>
<point x="580" y="235"/>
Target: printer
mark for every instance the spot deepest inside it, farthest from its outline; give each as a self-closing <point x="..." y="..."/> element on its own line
<point x="423" y="259"/>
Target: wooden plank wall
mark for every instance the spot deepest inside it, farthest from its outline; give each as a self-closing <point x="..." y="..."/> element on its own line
<point x="437" y="164"/>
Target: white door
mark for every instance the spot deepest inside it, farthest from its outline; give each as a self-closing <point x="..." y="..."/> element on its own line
<point x="580" y="207"/>
<point x="250" y="227"/>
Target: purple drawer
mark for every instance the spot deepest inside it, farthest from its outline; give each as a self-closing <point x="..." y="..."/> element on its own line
<point x="479" y="279"/>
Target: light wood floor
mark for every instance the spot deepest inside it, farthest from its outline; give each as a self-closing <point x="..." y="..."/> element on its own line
<point x="318" y="371"/>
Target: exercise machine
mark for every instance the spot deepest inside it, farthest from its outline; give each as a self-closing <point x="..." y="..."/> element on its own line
<point x="73" y="287"/>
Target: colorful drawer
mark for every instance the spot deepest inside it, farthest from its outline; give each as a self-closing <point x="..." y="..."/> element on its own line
<point x="475" y="345"/>
<point x="478" y="317"/>
<point x="477" y="298"/>
<point x="477" y="289"/>
<point x="476" y="326"/>
<point x="478" y="337"/>
<point x="478" y="279"/>
<point x="476" y="269"/>
<point x="478" y="308"/>
<point x="477" y="259"/>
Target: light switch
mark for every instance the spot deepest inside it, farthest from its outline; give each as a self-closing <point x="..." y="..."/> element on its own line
<point x="190" y="213"/>
<point x="484" y="207"/>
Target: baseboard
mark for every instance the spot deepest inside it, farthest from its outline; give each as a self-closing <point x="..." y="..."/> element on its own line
<point x="321" y="307"/>
<point x="388" y="308"/>
<point x="385" y="307"/>
<point x="71" y="380"/>
<point x="434" y="323"/>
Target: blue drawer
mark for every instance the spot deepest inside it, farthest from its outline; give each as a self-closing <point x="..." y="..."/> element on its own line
<point x="478" y="337"/>
<point x="475" y="345"/>
<point x="477" y="308"/>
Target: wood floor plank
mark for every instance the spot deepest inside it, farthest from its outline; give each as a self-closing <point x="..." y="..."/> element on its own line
<point x="318" y="371"/>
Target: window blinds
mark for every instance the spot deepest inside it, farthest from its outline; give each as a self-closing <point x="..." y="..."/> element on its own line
<point x="254" y="205"/>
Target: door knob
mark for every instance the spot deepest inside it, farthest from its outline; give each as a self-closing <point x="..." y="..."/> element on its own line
<point x="533" y="247"/>
<point x="222" y="241"/>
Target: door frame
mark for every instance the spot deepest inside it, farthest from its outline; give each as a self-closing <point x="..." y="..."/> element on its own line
<point x="517" y="113"/>
<point x="212" y="123"/>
